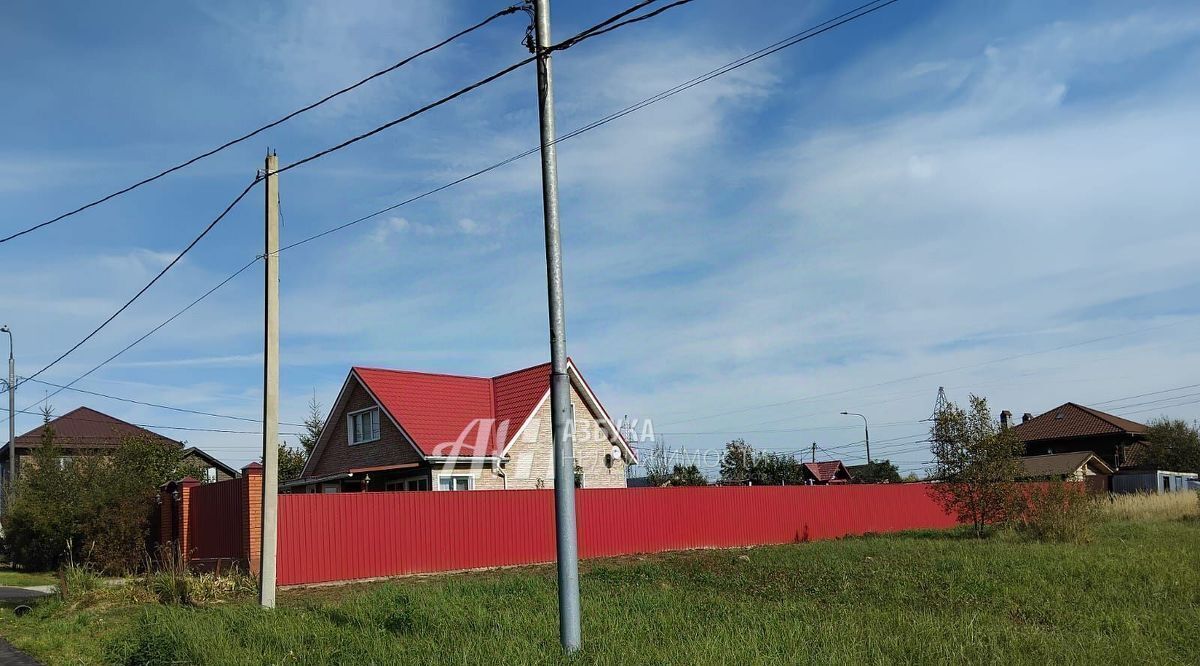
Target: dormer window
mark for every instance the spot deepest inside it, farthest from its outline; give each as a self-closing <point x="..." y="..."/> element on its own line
<point x="363" y="426"/>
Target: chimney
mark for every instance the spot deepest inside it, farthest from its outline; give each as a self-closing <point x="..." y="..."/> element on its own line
<point x="1026" y="417"/>
<point x="1005" y="417"/>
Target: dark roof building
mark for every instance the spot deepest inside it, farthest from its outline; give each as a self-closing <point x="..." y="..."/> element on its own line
<point x="85" y="431"/>
<point x="1074" y="428"/>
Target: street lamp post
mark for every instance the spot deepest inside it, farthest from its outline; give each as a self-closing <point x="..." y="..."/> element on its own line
<point x="12" y="410"/>
<point x="866" y="432"/>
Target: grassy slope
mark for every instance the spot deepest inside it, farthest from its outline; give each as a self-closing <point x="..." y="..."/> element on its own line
<point x="21" y="579"/>
<point x="1134" y="592"/>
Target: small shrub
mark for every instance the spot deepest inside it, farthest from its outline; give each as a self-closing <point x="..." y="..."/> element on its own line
<point x="78" y="581"/>
<point x="1059" y="511"/>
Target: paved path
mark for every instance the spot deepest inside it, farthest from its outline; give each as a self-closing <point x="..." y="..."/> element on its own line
<point x="18" y="594"/>
<point x="11" y="656"/>
<point x="9" y="598"/>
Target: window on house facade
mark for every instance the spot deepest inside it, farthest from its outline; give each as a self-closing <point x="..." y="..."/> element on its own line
<point x="210" y="474"/>
<point x="413" y="484"/>
<point x="455" y="483"/>
<point x="363" y="426"/>
<point x="571" y="415"/>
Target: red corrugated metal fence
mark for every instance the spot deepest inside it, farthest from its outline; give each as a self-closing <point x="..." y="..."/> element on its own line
<point x="349" y="536"/>
<point x="214" y="520"/>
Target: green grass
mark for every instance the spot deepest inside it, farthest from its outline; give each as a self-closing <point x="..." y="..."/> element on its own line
<point x="922" y="597"/>
<point x="12" y="578"/>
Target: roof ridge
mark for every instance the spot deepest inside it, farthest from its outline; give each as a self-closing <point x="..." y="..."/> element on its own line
<point x="419" y="372"/>
<point x="1063" y="453"/>
<point x="513" y="372"/>
<point x="1111" y="419"/>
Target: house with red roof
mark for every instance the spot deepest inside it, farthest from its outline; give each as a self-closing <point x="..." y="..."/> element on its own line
<point x="829" y="472"/>
<point x="404" y="430"/>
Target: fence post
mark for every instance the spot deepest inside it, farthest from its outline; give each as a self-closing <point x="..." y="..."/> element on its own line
<point x="185" y="505"/>
<point x="252" y="479"/>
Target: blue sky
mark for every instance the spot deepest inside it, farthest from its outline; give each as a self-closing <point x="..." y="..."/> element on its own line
<point x="846" y="225"/>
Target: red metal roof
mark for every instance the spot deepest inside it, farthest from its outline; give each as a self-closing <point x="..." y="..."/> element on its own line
<point x="826" y="471"/>
<point x="1072" y="420"/>
<point x="458" y="415"/>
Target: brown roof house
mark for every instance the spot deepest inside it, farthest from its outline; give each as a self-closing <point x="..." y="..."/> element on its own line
<point x="830" y="472"/>
<point x="85" y="431"/>
<point x="1075" y="466"/>
<point x="1073" y="428"/>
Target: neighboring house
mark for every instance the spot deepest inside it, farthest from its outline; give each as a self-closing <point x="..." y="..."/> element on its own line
<point x="214" y="470"/>
<point x="825" y="473"/>
<point x="1076" y="466"/>
<point x="404" y="430"/>
<point x="87" y="432"/>
<point x="1154" y="481"/>
<point x="1075" y="428"/>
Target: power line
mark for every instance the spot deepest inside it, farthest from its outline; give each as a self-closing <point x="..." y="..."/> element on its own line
<point x="786" y="430"/>
<point x="779" y="45"/>
<point x="1160" y="407"/>
<point x="145" y="425"/>
<point x="1143" y="395"/>
<point x="149" y="284"/>
<point x="183" y="410"/>
<point x="168" y="320"/>
<point x="653" y="99"/>
<point x="566" y="43"/>
<point x="933" y="373"/>
<point x="571" y="41"/>
<point x="233" y="142"/>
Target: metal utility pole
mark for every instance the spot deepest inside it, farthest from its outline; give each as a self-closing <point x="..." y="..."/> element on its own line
<point x="866" y="432"/>
<point x="814" y="453"/>
<point x="566" y="538"/>
<point x="270" y="484"/>
<point x="12" y="412"/>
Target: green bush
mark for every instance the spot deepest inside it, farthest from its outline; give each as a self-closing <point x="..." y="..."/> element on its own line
<point x="1059" y="511"/>
<point x="92" y="509"/>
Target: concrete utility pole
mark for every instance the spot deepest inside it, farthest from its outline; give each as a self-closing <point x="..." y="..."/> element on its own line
<point x="12" y="412"/>
<point x="566" y="538"/>
<point x="270" y="486"/>
<point x="866" y="432"/>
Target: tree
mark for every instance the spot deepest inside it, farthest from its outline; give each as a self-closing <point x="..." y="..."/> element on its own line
<point x="94" y="508"/>
<point x="658" y="471"/>
<point x="291" y="462"/>
<point x="976" y="463"/>
<point x="1171" y="444"/>
<point x="877" y="471"/>
<point x="689" y="475"/>
<point x="738" y="462"/>
<point x="313" y="425"/>
<point x="742" y="464"/>
<point x="775" y="469"/>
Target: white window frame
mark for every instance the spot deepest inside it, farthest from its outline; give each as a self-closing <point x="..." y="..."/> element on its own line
<point x="377" y="430"/>
<point x="571" y="415"/>
<point x="210" y="474"/>
<point x="452" y="477"/>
